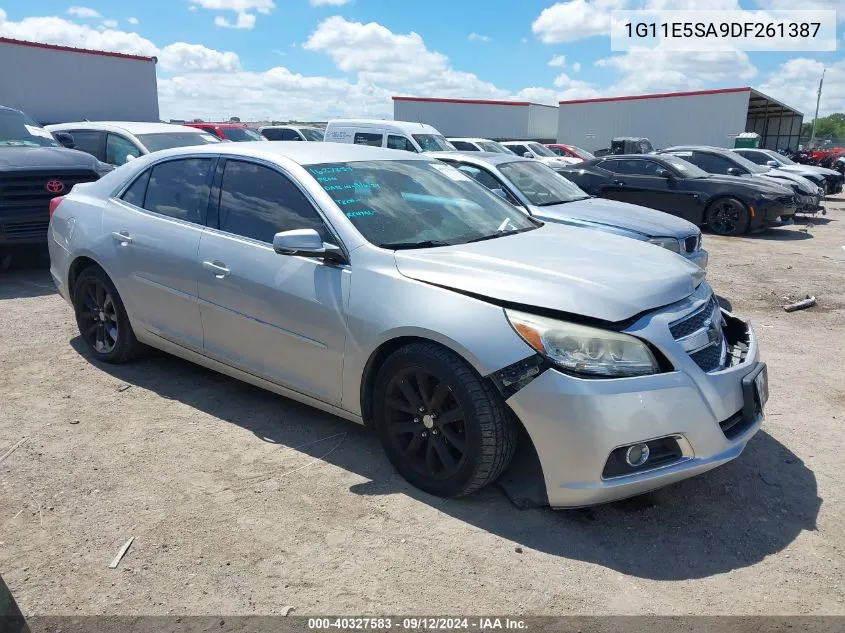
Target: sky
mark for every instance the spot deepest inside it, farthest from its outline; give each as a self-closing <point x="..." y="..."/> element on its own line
<point x="320" y="59"/>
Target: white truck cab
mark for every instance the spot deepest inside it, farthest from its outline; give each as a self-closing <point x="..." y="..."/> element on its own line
<point x="403" y="135"/>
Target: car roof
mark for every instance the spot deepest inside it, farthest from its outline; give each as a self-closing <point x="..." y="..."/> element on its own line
<point x="408" y="127"/>
<point x="301" y="153"/>
<point x="289" y="127"/>
<point x="212" y="124"/>
<point x="131" y="127"/>
<point x="480" y="158"/>
<point x="695" y="148"/>
<point x="471" y="139"/>
<point x="520" y="142"/>
<point x="8" y="109"/>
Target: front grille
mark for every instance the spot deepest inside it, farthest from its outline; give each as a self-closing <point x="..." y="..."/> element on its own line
<point x="709" y="358"/>
<point x="25" y="230"/>
<point x="695" y="321"/>
<point x="788" y="201"/>
<point x="691" y="243"/>
<point x="29" y="190"/>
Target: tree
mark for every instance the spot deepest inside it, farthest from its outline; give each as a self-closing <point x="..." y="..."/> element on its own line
<point x="831" y="126"/>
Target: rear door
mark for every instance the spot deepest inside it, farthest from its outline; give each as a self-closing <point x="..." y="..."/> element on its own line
<point x="280" y="317"/>
<point x="90" y="141"/>
<point x="154" y="229"/>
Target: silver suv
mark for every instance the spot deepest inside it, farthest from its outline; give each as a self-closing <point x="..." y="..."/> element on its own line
<point x="395" y="291"/>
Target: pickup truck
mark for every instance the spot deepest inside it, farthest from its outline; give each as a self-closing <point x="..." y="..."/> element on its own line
<point x="34" y="169"/>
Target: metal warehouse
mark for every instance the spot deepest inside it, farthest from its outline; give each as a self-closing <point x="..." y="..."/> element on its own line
<point x="497" y="120"/>
<point x="56" y="84"/>
<point x="703" y="117"/>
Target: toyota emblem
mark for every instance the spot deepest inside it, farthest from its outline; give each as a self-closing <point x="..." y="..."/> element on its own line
<point x="55" y="186"/>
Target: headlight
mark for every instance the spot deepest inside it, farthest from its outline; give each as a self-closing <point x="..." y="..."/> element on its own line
<point x="584" y="350"/>
<point x="667" y="242"/>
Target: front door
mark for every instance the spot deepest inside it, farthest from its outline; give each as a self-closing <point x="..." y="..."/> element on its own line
<point x="279" y="317"/>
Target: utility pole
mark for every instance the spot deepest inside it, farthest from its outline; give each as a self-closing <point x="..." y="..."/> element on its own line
<point x="818" y="100"/>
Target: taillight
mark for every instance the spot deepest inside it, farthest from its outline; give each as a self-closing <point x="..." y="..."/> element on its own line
<point x="54" y="204"/>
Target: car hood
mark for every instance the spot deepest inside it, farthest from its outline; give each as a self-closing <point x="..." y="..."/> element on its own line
<point x="45" y="159"/>
<point x="632" y="217"/>
<point x="567" y="269"/>
<point x="809" y="169"/>
<point x="787" y="179"/>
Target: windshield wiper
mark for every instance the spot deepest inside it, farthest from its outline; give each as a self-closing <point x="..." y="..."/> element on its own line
<point x="500" y="234"/>
<point x="554" y="202"/>
<point x="398" y="246"/>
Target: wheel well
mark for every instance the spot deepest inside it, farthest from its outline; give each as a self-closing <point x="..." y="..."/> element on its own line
<point x="79" y="264"/>
<point x="723" y="196"/>
<point x="375" y="361"/>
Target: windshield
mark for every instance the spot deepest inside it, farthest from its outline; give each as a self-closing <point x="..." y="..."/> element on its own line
<point x="433" y="143"/>
<point x="581" y="153"/>
<point x="241" y="134"/>
<point x="18" y="129"/>
<point x="417" y="204"/>
<point x="781" y="158"/>
<point x="540" y="184"/>
<point x="311" y="133"/>
<point x="685" y="168"/>
<point x="166" y="140"/>
<point x="645" y="146"/>
<point x="493" y="146"/>
<point x="541" y="150"/>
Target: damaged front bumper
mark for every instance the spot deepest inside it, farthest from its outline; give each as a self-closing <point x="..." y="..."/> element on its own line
<point x="689" y="420"/>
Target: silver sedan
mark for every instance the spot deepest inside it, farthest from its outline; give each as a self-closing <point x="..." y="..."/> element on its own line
<point x="395" y="291"/>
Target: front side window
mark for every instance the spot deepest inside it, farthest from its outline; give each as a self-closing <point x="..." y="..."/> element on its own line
<point x="120" y="150"/>
<point x="88" y="141"/>
<point x="180" y="189"/>
<point x="272" y="134"/>
<point x="257" y="202"/>
<point x="312" y="134"/>
<point x="17" y="129"/>
<point x="519" y="150"/>
<point x="400" y="142"/>
<point x="240" y="134"/>
<point x="368" y="138"/>
<point x="493" y="146"/>
<point x="758" y="158"/>
<point x="464" y="146"/>
<point x="401" y="204"/>
<point x="168" y="140"/>
<point x="712" y="163"/>
<point x="433" y="143"/>
<point x="541" y="150"/>
<point x="540" y="184"/>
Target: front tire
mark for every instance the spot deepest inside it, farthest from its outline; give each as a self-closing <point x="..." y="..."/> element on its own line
<point x="102" y="319"/>
<point x="728" y="216"/>
<point x="444" y="428"/>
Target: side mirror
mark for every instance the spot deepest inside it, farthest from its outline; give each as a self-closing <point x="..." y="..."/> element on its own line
<point x="129" y="157"/>
<point x="528" y="155"/>
<point x="664" y="173"/>
<point x="734" y="171"/>
<point x="65" y="139"/>
<point x="772" y="163"/>
<point x="306" y="243"/>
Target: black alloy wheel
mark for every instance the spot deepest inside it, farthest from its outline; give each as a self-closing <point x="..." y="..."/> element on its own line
<point x="728" y="216"/>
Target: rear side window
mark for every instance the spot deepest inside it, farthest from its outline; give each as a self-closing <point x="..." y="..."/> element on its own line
<point x="400" y="142"/>
<point x="137" y="190"/>
<point x="368" y="138"/>
<point x="257" y="202"/>
<point x="180" y="189"/>
<point x="88" y="141"/>
<point x="464" y="146"/>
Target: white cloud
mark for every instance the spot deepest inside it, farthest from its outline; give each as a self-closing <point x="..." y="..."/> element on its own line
<point x="476" y="37"/>
<point x="182" y="57"/>
<point x="328" y="3"/>
<point x="110" y="24"/>
<point x="558" y="61"/>
<point x="654" y="70"/>
<point x="575" y="20"/>
<point x="806" y="5"/>
<point x="400" y="62"/>
<point x="576" y="67"/>
<point x="239" y="6"/>
<point x="83" y="12"/>
<point x="796" y="83"/>
<point x="133" y="21"/>
<point x="55" y="30"/>
<point x="245" y="21"/>
<point x="2" y="16"/>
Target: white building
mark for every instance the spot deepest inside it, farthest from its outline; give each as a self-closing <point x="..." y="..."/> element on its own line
<point x="54" y="84"/>
<point x="497" y="120"/>
<point x="703" y="117"/>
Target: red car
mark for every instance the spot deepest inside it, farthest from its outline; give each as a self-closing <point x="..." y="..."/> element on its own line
<point x="570" y="151"/>
<point x="237" y="132"/>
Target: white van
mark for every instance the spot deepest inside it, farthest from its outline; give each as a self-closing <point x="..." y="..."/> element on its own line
<point x="404" y="135"/>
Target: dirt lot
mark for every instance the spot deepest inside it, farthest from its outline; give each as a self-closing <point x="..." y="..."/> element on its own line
<point x="243" y="502"/>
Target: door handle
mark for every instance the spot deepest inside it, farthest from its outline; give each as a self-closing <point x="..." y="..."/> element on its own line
<point x="618" y="182"/>
<point x="218" y="268"/>
<point x="123" y="237"/>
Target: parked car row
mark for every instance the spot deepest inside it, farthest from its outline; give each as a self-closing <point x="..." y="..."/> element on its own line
<point x="463" y="322"/>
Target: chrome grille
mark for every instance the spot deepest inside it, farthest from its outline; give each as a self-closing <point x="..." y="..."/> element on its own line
<point x="701" y="335"/>
<point x="691" y="243"/>
<point x="693" y="322"/>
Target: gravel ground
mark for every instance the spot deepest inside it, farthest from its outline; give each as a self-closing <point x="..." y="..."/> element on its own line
<point x="243" y="502"/>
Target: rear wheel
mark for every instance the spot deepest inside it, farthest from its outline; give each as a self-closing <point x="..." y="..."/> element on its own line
<point x="444" y="428"/>
<point x="728" y="216"/>
<point x="101" y="317"/>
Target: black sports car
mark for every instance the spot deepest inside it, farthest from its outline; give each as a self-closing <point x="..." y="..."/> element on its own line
<point x="729" y="205"/>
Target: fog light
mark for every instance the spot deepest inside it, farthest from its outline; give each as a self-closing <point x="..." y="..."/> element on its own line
<point x="637" y="455"/>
